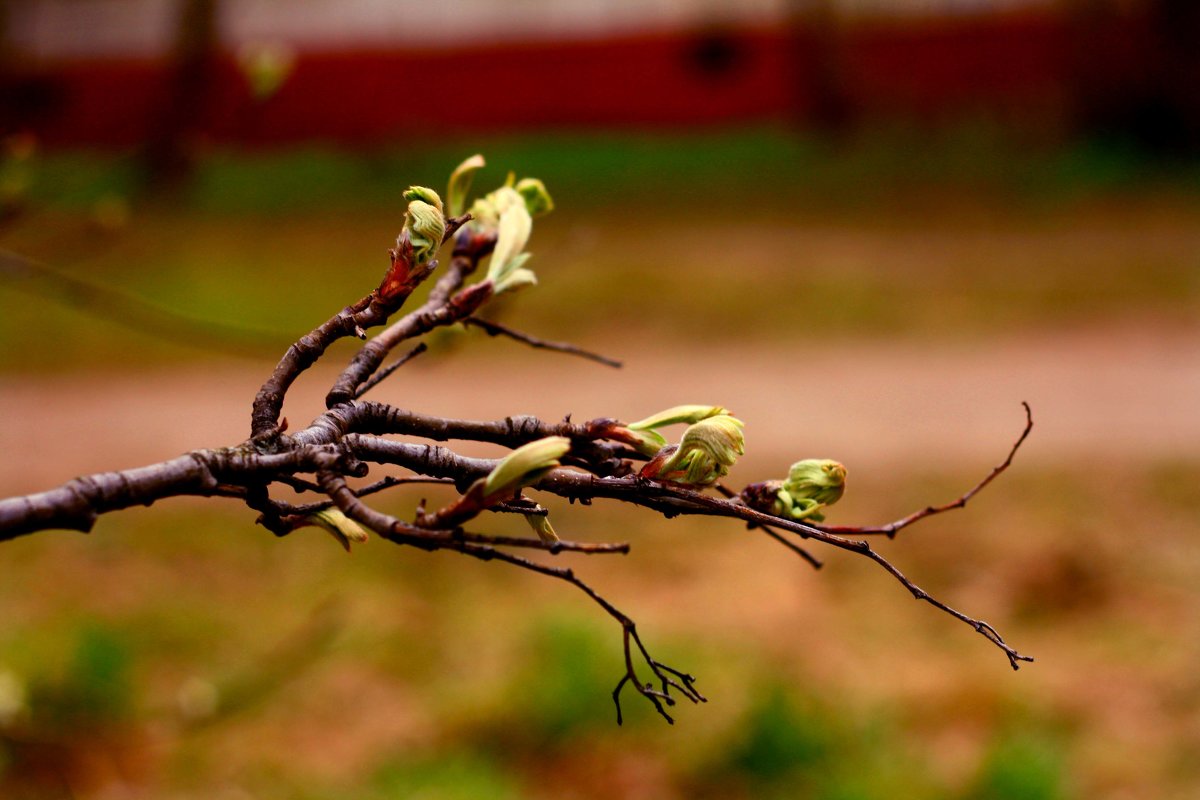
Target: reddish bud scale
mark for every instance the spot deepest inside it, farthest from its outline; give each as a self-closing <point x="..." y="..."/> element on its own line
<point x="762" y="496"/>
<point x="464" y="303"/>
<point x="653" y="467"/>
<point x="396" y="280"/>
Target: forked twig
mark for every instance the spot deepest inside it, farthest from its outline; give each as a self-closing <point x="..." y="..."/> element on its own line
<point x="668" y="677"/>
<point x="790" y="545"/>
<point x="707" y="504"/>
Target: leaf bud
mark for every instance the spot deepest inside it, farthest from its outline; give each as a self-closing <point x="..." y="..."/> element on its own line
<point x="460" y="184"/>
<point x="706" y="452"/>
<point x="342" y="528"/>
<point x="525" y="465"/>
<point x="537" y="200"/>
<point x="542" y="527"/>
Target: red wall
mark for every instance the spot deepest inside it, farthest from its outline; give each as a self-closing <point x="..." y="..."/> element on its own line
<point x="931" y="69"/>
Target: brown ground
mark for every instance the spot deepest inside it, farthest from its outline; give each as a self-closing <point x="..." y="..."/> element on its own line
<point x="1096" y="394"/>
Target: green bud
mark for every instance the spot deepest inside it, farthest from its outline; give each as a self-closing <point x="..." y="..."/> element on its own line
<point x="486" y="211"/>
<point x="506" y="270"/>
<point x="526" y="465"/>
<point x="542" y="527"/>
<point x="460" y="184"/>
<point x="772" y="497"/>
<point x="424" y="194"/>
<point x="797" y="508"/>
<point x="537" y="200"/>
<point x="817" y="479"/>
<point x="425" y="222"/>
<point x="648" y="443"/>
<point x="706" y="452"/>
<point x="677" y="414"/>
<point x="344" y="529"/>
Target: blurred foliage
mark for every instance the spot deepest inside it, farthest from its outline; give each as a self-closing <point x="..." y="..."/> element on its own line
<point x="444" y="776"/>
<point x="896" y="235"/>
<point x="451" y="679"/>
<point x="1021" y="767"/>
<point x="760" y="164"/>
<point x="98" y="685"/>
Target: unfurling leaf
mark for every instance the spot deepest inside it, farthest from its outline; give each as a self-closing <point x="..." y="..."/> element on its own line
<point x="690" y="414"/>
<point x="425" y="222"/>
<point x="542" y="527"/>
<point x="460" y="184"/>
<point x="486" y="211"/>
<point x="705" y="453"/>
<point x="818" y="479"/>
<point x="344" y="529"/>
<point x="506" y="270"/>
<point x="811" y="485"/>
<point x="525" y="465"/>
<point x="648" y="443"/>
<point x="537" y="200"/>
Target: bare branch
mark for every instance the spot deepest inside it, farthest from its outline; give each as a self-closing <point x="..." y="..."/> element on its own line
<point x="496" y="329"/>
<point x="891" y="528"/>
<point x="790" y="545"/>
<point x="666" y="498"/>
<point x="668" y="677"/>
<point x="444" y="307"/>
<point x="383" y="374"/>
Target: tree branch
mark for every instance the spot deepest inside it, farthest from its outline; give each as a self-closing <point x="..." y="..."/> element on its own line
<point x="383" y="374"/>
<point x="496" y="329"/>
<point x="316" y="460"/>
<point x="892" y="528"/>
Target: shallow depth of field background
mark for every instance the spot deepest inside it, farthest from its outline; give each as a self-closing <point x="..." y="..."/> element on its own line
<point x="871" y="229"/>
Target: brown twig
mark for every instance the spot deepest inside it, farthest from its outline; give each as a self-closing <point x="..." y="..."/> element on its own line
<point x="892" y="528"/>
<point x="446" y="305"/>
<point x="790" y="545"/>
<point x="668" y="677"/>
<point x="667" y="498"/>
<point x="382" y="375"/>
<point x="496" y="329"/>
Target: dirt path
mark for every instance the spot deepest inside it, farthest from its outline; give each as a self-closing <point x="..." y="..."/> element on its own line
<point x="1097" y="394"/>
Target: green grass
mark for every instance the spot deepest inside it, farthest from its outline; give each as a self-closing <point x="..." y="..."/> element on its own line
<point x="895" y="234"/>
<point x="689" y="168"/>
<point x="433" y="676"/>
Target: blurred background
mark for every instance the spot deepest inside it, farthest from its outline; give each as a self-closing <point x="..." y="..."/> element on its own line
<point x="870" y="227"/>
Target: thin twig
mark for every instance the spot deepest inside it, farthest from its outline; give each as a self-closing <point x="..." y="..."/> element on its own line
<point x="553" y="548"/>
<point x="369" y="489"/>
<point x="860" y="546"/>
<point x="382" y="375"/>
<point x="790" y="545"/>
<point x="496" y="329"/>
<point x="668" y="677"/>
<point x="890" y="529"/>
<point x="669" y="499"/>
